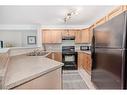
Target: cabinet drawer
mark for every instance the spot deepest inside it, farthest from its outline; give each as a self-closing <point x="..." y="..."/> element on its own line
<point x="115" y="12"/>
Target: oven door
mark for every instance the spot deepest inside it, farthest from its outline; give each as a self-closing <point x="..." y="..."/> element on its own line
<point x="69" y="61"/>
<point x="69" y="58"/>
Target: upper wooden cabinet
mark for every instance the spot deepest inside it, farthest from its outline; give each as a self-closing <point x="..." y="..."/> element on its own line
<point x="84" y="62"/>
<point x="86" y="36"/>
<point x="101" y="21"/>
<point x="82" y="36"/>
<point x="68" y="32"/>
<point x="115" y="12"/>
<point x="78" y="35"/>
<point x="118" y="10"/>
<point x="51" y="36"/>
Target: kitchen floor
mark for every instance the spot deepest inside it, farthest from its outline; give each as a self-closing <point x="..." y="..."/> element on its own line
<point x="72" y="80"/>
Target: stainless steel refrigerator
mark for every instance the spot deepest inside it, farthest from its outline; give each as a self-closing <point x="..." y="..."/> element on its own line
<point x="109" y="65"/>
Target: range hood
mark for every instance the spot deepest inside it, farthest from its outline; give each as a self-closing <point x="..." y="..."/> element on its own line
<point x="68" y="38"/>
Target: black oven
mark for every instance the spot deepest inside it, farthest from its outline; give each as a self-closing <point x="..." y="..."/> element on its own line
<point x="69" y="58"/>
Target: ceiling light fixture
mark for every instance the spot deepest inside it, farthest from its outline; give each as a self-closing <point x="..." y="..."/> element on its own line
<point x="70" y="14"/>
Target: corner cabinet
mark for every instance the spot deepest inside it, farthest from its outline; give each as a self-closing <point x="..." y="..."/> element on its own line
<point x="51" y="36"/>
<point x="82" y="36"/>
<point x="84" y="62"/>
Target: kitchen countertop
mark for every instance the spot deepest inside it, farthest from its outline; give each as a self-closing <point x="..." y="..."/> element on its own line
<point x="24" y="68"/>
<point x="4" y="50"/>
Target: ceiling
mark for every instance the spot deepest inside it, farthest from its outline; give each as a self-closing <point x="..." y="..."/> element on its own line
<point x="51" y="16"/>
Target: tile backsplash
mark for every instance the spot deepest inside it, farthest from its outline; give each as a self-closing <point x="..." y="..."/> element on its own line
<point x="58" y="47"/>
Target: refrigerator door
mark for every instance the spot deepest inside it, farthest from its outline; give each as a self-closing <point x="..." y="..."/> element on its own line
<point x="107" y="68"/>
<point x="112" y="33"/>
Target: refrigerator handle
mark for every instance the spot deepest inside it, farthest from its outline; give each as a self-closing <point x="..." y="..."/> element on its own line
<point x="93" y="51"/>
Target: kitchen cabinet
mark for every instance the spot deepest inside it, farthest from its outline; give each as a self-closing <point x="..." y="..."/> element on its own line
<point x="68" y="32"/>
<point x="78" y="35"/>
<point x="87" y="63"/>
<point x="51" y="80"/>
<point x="85" y="36"/>
<point x="46" y="36"/>
<point x="57" y="56"/>
<point x="84" y="62"/>
<point x="51" y="36"/>
<point x="82" y="36"/>
<point x="101" y="21"/>
<point x="115" y="12"/>
<point x="80" y="60"/>
<point x="49" y="56"/>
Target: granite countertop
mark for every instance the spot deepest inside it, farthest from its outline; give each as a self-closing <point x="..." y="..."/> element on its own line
<point x="24" y="68"/>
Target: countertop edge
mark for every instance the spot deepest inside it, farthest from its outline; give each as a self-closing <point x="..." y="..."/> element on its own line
<point x="32" y="77"/>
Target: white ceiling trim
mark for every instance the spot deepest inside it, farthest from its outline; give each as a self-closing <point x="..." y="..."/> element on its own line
<point x="35" y="27"/>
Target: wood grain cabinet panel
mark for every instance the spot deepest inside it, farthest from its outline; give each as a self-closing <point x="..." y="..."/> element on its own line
<point x="82" y="36"/>
<point x="101" y="21"/>
<point x="51" y="36"/>
<point x="65" y="33"/>
<point x="85" y="36"/>
<point x="78" y="36"/>
<point x="84" y="62"/>
<point x="115" y="12"/>
<point x="58" y="56"/>
<point x="56" y="36"/>
<point x="46" y="36"/>
<point x="68" y="32"/>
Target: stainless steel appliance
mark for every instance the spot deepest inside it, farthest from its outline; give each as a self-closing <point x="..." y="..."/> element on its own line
<point x="109" y="68"/>
<point x="1" y="44"/>
<point x="69" y="57"/>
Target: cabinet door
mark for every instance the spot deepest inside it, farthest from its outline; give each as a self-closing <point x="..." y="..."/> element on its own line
<point x="80" y="60"/>
<point x="89" y="64"/>
<point x="72" y="32"/>
<point x="46" y="36"/>
<point x="51" y="36"/>
<point x="56" y="36"/>
<point x="65" y="33"/>
<point x="58" y="56"/>
<point x="85" y="36"/>
<point x="50" y="55"/>
<point x="78" y="36"/>
<point x="85" y="62"/>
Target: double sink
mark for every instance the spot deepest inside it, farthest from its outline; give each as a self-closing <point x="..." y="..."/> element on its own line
<point x="38" y="52"/>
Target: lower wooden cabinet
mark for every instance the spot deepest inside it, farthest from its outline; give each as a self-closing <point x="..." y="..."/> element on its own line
<point x="84" y="61"/>
<point x="57" y="56"/>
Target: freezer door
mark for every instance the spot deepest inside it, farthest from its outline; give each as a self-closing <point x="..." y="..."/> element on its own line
<point x="107" y="69"/>
<point x="112" y="33"/>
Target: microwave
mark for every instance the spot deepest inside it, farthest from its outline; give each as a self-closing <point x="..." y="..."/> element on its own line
<point x="84" y="48"/>
<point x="1" y="44"/>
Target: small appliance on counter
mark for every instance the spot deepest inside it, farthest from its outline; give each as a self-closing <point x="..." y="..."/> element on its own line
<point x="1" y="44"/>
<point x="85" y="48"/>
